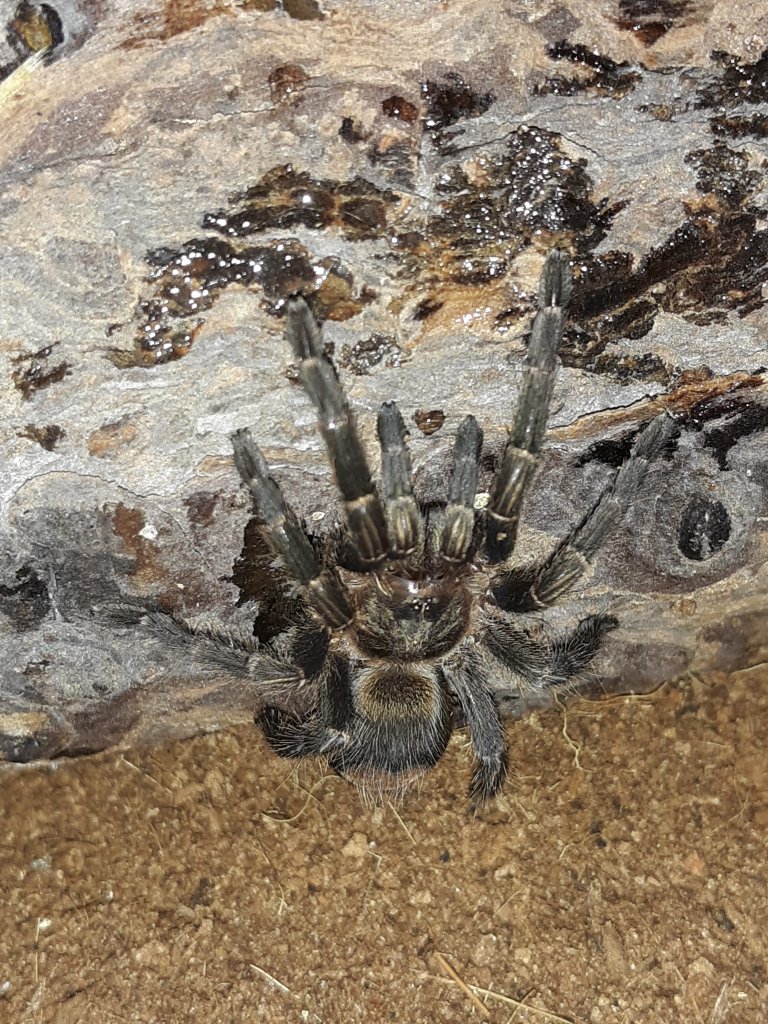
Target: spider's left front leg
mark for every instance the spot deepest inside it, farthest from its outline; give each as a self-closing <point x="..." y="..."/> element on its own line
<point x="366" y="520"/>
<point x="571" y="653"/>
<point x="540" y="663"/>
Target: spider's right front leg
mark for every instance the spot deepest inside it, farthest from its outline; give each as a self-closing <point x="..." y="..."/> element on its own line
<point x="323" y="727"/>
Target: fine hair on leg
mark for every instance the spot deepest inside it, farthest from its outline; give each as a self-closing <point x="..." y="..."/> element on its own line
<point x="458" y="527"/>
<point x="519" y="461"/>
<point x="366" y="521"/>
<point x="284" y="535"/>
<point x="556" y="577"/>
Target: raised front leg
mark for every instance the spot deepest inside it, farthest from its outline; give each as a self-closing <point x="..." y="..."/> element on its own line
<point x="366" y="521"/>
<point x="458" y="528"/>
<point x="519" y="461"/>
<point x="283" y="533"/>
<point x="406" y="529"/>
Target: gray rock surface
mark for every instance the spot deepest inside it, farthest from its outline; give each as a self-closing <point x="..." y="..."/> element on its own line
<point x="410" y="165"/>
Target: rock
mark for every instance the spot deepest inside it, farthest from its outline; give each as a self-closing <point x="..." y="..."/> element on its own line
<point x="169" y="176"/>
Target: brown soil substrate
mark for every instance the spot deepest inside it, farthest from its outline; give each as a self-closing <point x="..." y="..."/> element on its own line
<point x="622" y="877"/>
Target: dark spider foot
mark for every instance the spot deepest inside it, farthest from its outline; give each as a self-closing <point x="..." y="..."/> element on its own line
<point x="285" y="734"/>
<point x="572" y="653"/>
<point x="487" y="779"/>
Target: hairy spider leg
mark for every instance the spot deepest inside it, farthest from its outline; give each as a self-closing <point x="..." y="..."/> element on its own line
<point x="538" y="665"/>
<point x="214" y="649"/>
<point x="325" y="730"/>
<point x="366" y="521"/>
<point x="465" y="675"/>
<point x="283" y="533"/>
<point x="406" y="527"/>
<point x="551" y="663"/>
<point x="571" y="653"/>
<point x="519" y="461"/>
<point x="458" y="527"/>
<point x="572" y="558"/>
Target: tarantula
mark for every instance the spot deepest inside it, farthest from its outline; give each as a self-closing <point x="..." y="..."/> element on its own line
<point x="411" y="610"/>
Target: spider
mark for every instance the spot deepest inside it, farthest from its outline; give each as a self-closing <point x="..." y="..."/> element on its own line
<point x="409" y="611"/>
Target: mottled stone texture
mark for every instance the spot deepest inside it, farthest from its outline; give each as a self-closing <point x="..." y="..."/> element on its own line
<point x="174" y="170"/>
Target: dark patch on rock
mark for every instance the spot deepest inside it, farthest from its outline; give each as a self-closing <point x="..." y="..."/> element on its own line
<point x="705" y="526"/>
<point x="450" y="101"/>
<point x="494" y="206"/>
<point x="257" y="577"/>
<point x="429" y="421"/>
<point x="649" y="20"/>
<point x="602" y="74"/>
<point x="26" y="602"/>
<point x="724" y="399"/>
<point x="285" y="198"/>
<point x="47" y="437"/>
<point x="371" y="351"/>
<point x="174" y="17"/>
<point x="724" y="173"/>
<point x="426" y="308"/>
<point x="400" y="108"/>
<point x="287" y="82"/>
<point x="24" y="748"/>
<point x="201" y="507"/>
<point x="300" y="10"/>
<point x="739" y="126"/>
<point x="399" y="156"/>
<point x="189" y="279"/>
<point x="713" y="263"/>
<point x="629" y="368"/>
<point x="747" y="419"/>
<point x="613" y="452"/>
<point x="739" y="82"/>
<point x="352" y="132"/>
<point x="34" y="374"/>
